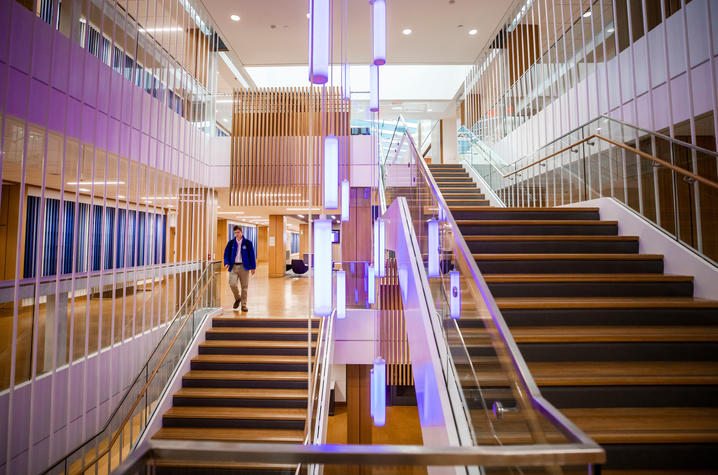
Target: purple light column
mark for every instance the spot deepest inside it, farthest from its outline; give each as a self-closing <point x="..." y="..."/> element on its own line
<point x="318" y="41"/>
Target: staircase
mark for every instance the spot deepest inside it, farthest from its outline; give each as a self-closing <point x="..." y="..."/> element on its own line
<point x="622" y="349"/>
<point x="247" y="384"/>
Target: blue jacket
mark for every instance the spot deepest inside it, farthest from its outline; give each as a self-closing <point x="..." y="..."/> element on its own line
<point x="230" y="254"/>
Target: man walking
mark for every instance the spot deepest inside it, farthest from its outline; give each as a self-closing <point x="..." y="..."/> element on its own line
<point x="239" y="261"/>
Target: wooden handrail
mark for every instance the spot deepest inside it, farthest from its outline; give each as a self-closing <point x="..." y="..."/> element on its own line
<point x="147" y="384"/>
<point x="648" y="156"/>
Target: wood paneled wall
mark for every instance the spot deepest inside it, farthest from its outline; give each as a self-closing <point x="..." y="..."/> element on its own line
<point x="277" y="144"/>
<point x="394" y="344"/>
<point x="275" y="247"/>
<point x="262" y="238"/>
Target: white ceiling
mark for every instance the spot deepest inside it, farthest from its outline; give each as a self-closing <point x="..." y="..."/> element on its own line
<point x="439" y="30"/>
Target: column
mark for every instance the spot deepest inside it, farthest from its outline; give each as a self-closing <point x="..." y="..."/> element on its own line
<point x="276" y="250"/>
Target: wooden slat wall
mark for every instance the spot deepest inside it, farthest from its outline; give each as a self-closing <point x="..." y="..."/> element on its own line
<point x="394" y="343"/>
<point x="277" y="139"/>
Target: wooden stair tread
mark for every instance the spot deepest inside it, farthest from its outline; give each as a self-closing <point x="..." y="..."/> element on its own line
<point x="542" y="210"/>
<point x="566" y="256"/>
<point x="242" y="393"/>
<point x="577" y="237"/>
<point x="588" y="373"/>
<point x="263" y="319"/>
<point x="551" y="334"/>
<point x="300" y="359"/>
<point x="530" y="222"/>
<point x="256" y="344"/>
<point x="197" y="374"/>
<point x="621" y="277"/>
<point x="211" y="412"/>
<point x="647" y="425"/>
<point x="604" y="302"/>
<point x="231" y="435"/>
<point x="262" y="330"/>
<point x="222" y="464"/>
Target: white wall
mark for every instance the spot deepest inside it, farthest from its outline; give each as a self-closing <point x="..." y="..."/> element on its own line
<point x="610" y="90"/>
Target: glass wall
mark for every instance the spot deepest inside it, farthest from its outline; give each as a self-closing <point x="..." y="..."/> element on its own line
<point x="553" y="66"/>
<point x="106" y="215"/>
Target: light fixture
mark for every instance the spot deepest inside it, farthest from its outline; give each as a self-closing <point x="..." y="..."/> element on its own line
<point x="473" y="31"/>
<point x="345" y="200"/>
<point x="341" y="294"/>
<point x="378" y="391"/>
<point x="587" y="14"/>
<point x="331" y="172"/>
<point x="225" y="120"/>
<point x="322" y="267"/>
<point x="318" y="41"/>
<point x="234" y="17"/>
<point x="610" y="30"/>
<point x="374" y="88"/>
<point x="454" y="294"/>
<point x="84" y="190"/>
<point x="379" y="31"/>
<point x="370" y="284"/>
<point x="396" y="108"/>
<point x="433" y="247"/>
<point x="307" y="15"/>
<point x="406" y="31"/>
<point x="300" y="215"/>
<point x="379" y="238"/>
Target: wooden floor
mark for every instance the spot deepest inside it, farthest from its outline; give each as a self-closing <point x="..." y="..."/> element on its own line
<point x="271" y="297"/>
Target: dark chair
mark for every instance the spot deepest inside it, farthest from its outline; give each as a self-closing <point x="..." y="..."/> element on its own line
<point x="299" y="267"/>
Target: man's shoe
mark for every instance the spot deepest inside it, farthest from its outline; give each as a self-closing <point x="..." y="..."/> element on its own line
<point x="245" y="309"/>
<point x="236" y="304"/>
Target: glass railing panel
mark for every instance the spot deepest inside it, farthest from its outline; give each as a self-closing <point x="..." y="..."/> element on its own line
<point x="501" y="408"/>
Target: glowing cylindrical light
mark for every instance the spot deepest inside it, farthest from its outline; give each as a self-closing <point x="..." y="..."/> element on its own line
<point x="372" y="399"/>
<point x="379" y="30"/>
<point x="370" y="277"/>
<point x="341" y="294"/>
<point x="379" y="243"/>
<point x="454" y="294"/>
<point x="378" y="391"/>
<point x="322" y="267"/>
<point x="345" y="200"/>
<point x="433" y="244"/>
<point x="346" y="84"/>
<point x="318" y="41"/>
<point x="331" y="172"/>
<point x="374" y="88"/>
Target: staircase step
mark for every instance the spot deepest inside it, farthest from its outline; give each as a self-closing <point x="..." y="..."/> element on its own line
<point x="259" y="334"/>
<point x="552" y="244"/>
<point x="557" y="334"/>
<point x="569" y="263"/>
<point x="589" y="285"/>
<point x="473" y="194"/>
<point x="466" y="201"/>
<point x="674" y="311"/>
<point x="231" y="435"/>
<point x="246" y="379"/>
<point x="455" y="185"/>
<point x="535" y="214"/>
<point x="241" y="397"/>
<point x="255" y="347"/>
<point x="235" y="417"/>
<point x="625" y="373"/>
<point x="183" y="467"/>
<point x="264" y="323"/>
<point x="503" y="227"/>
<point x="250" y="362"/>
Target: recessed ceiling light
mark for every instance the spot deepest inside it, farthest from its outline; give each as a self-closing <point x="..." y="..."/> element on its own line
<point x="234" y="17"/>
<point x="473" y="31"/>
<point x="587" y="14"/>
<point x="406" y="31"/>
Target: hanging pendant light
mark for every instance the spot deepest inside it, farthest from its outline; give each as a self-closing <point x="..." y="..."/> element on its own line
<point x="319" y="41"/>
<point x="341" y="294"/>
<point x="370" y="278"/>
<point x="379" y="31"/>
<point x="345" y="200"/>
<point x="433" y="247"/>
<point x="331" y="172"/>
<point x="322" y="267"/>
<point x="454" y="294"/>
<point x="378" y="391"/>
<point x="374" y="88"/>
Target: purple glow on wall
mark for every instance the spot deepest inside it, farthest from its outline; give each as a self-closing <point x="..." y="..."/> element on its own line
<point x="374" y="88"/>
<point x="319" y="41"/>
<point x="379" y="31"/>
